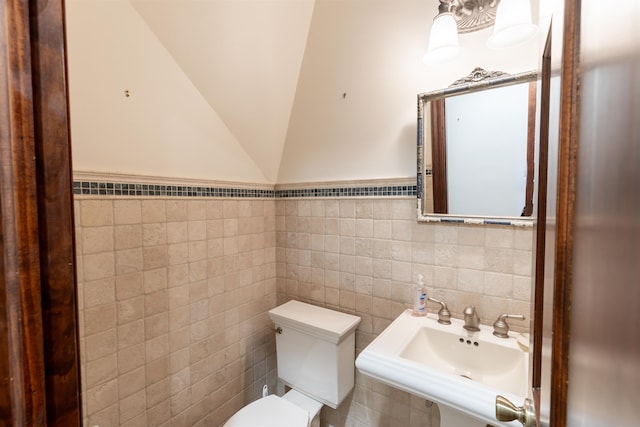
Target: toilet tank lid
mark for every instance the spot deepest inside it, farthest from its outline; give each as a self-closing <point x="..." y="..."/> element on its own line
<point x="331" y="325"/>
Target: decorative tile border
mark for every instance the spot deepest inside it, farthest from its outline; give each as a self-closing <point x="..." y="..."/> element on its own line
<point x="375" y="191"/>
<point x="107" y="188"/>
<point x="126" y="189"/>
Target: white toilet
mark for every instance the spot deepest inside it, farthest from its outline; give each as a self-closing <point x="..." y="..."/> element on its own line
<point x="315" y="349"/>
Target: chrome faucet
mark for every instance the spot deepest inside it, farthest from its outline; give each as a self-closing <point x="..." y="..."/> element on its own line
<point x="444" y="315"/>
<point x="501" y="327"/>
<point x="471" y="319"/>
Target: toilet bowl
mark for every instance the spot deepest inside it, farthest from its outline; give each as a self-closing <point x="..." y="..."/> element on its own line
<point x="315" y="353"/>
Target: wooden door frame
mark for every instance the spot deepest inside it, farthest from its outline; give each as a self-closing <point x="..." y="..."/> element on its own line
<point x="561" y="284"/>
<point x="40" y="378"/>
<point x="565" y="216"/>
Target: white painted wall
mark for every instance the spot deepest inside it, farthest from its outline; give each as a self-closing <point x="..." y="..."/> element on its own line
<point x="165" y="128"/>
<point x="252" y="90"/>
<point x="244" y="57"/>
<point x="212" y="85"/>
<point x="372" y="51"/>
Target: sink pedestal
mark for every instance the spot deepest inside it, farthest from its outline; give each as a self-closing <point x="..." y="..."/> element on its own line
<point x="450" y="417"/>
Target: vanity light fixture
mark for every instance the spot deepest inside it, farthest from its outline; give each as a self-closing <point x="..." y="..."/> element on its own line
<point x="443" y="39"/>
<point x="513" y="24"/>
<point x="512" y="20"/>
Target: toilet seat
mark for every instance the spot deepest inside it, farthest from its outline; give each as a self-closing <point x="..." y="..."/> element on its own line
<point x="270" y="411"/>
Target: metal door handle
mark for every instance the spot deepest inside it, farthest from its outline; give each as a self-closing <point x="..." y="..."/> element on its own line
<point x="507" y="411"/>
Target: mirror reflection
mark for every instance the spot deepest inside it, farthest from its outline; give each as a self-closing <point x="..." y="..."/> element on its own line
<point x="476" y="147"/>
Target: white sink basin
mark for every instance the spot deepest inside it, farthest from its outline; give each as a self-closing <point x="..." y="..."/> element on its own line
<point x="449" y="365"/>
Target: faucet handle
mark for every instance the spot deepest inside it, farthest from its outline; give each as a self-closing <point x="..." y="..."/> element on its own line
<point x="444" y="315"/>
<point x="501" y="327"/>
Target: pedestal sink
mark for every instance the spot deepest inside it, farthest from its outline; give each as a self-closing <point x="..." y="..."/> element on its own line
<point x="462" y="371"/>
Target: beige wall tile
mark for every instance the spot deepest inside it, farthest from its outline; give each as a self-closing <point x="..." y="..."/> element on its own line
<point x="213" y="262"/>
<point x="214" y="209"/>
<point x="132" y="410"/>
<point x="157" y="370"/>
<point x="401" y="230"/>
<point x="130" y="334"/>
<point x="197" y="250"/>
<point x="156" y="325"/>
<point x="197" y="230"/>
<point x="522" y="239"/>
<point x="399" y="251"/>
<point x="127" y="211"/>
<point x="98" y="292"/>
<point x="522" y="286"/>
<point x="470" y="280"/>
<point x="177" y="232"/>
<point x="102" y="396"/>
<point x="157" y="347"/>
<point x="98" y="266"/>
<point x="176" y="210"/>
<point x="403" y="209"/>
<point x="154" y="257"/>
<point x="423" y="253"/>
<point x="130" y="310"/>
<point x="155" y="280"/>
<point x="499" y="260"/>
<point x="96" y="213"/>
<point x="128" y="236"/>
<point x="105" y="417"/>
<point x="99" y="319"/>
<point x="129" y="286"/>
<point x="499" y="237"/>
<point x="470" y="235"/>
<point x="158" y="393"/>
<point x="382" y="229"/>
<point x="153" y="211"/>
<point x="498" y="284"/>
<point x="178" y="275"/>
<point x="129" y="261"/>
<point x="470" y="257"/>
<point x="100" y="345"/>
<point x="230" y="209"/>
<point x="97" y="239"/>
<point x="130" y="358"/>
<point x="178" y="253"/>
<point x="101" y="370"/>
<point x="156" y="302"/>
<point x="154" y="234"/>
<point x="522" y="262"/>
<point x="159" y="414"/>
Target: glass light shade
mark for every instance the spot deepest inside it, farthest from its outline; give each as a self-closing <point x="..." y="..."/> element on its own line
<point x="513" y="24"/>
<point x="443" y="39"/>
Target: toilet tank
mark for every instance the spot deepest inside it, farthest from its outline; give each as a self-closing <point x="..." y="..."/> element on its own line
<point x="315" y="350"/>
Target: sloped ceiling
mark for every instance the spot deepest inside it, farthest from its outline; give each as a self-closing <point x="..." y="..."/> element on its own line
<point x="244" y="56"/>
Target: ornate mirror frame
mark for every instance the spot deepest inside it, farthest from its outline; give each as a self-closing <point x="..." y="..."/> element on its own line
<point x="478" y="80"/>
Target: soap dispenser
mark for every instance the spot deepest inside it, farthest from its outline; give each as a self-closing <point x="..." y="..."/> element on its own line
<point x="420" y="304"/>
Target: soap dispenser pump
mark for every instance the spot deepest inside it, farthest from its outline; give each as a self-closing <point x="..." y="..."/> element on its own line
<point x="420" y="304"/>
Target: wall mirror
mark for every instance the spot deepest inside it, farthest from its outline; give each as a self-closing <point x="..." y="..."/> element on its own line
<point x="476" y="149"/>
